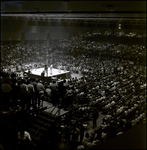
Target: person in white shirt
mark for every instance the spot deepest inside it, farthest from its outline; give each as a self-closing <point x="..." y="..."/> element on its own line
<point x="59" y="68"/>
<point x="51" y="67"/>
<point x="24" y="139"/>
<point x="46" y="69"/>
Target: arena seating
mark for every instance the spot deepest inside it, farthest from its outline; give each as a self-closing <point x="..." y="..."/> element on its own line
<point x="112" y="82"/>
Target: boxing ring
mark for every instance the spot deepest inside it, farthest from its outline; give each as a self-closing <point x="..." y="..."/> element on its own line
<point x="52" y="74"/>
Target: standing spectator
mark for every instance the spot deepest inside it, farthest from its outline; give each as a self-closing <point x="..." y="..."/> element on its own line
<point x="51" y="67"/>
<point x="82" y="129"/>
<point x="45" y="85"/>
<point x="6" y="90"/>
<point x="42" y="75"/>
<point x="95" y="117"/>
<point x="34" y="102"/>
<point x="23" y="93"/>
<point x="54" y="93"/>
<point x="48" y="93"/>
<point x="69" y="98"/>
<point x="14" y="93"/>
<point x="30" y="96"/>
<point x="40" y="90"/>
<point x="62" y="92"/>
<point x="46" y="70"/>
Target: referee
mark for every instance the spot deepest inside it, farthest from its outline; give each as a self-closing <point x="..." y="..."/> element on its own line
<point x="46" y="69"/>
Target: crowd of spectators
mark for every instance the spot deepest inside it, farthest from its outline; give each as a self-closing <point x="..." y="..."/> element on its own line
<point x="113" y="82"/>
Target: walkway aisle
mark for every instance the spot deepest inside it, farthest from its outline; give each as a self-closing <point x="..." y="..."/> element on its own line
<point x="89" y="127"/>
<point x="51" y="109"/>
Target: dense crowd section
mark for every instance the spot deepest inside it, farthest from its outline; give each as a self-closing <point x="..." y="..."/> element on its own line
<point x="118" y="45"/>
<point x="114" y="81"/>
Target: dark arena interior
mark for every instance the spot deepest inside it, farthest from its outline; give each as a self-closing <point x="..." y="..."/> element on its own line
<point x="73" y="75"/>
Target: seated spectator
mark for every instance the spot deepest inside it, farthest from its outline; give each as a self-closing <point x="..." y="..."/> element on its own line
<point x="86" y="139"/>
<point x="90" y="145"/>
<point x="74" y="137"/>
<point x="81" y="147"/>
<point x="65" y="84"/>
<point x="92" y="137"/>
